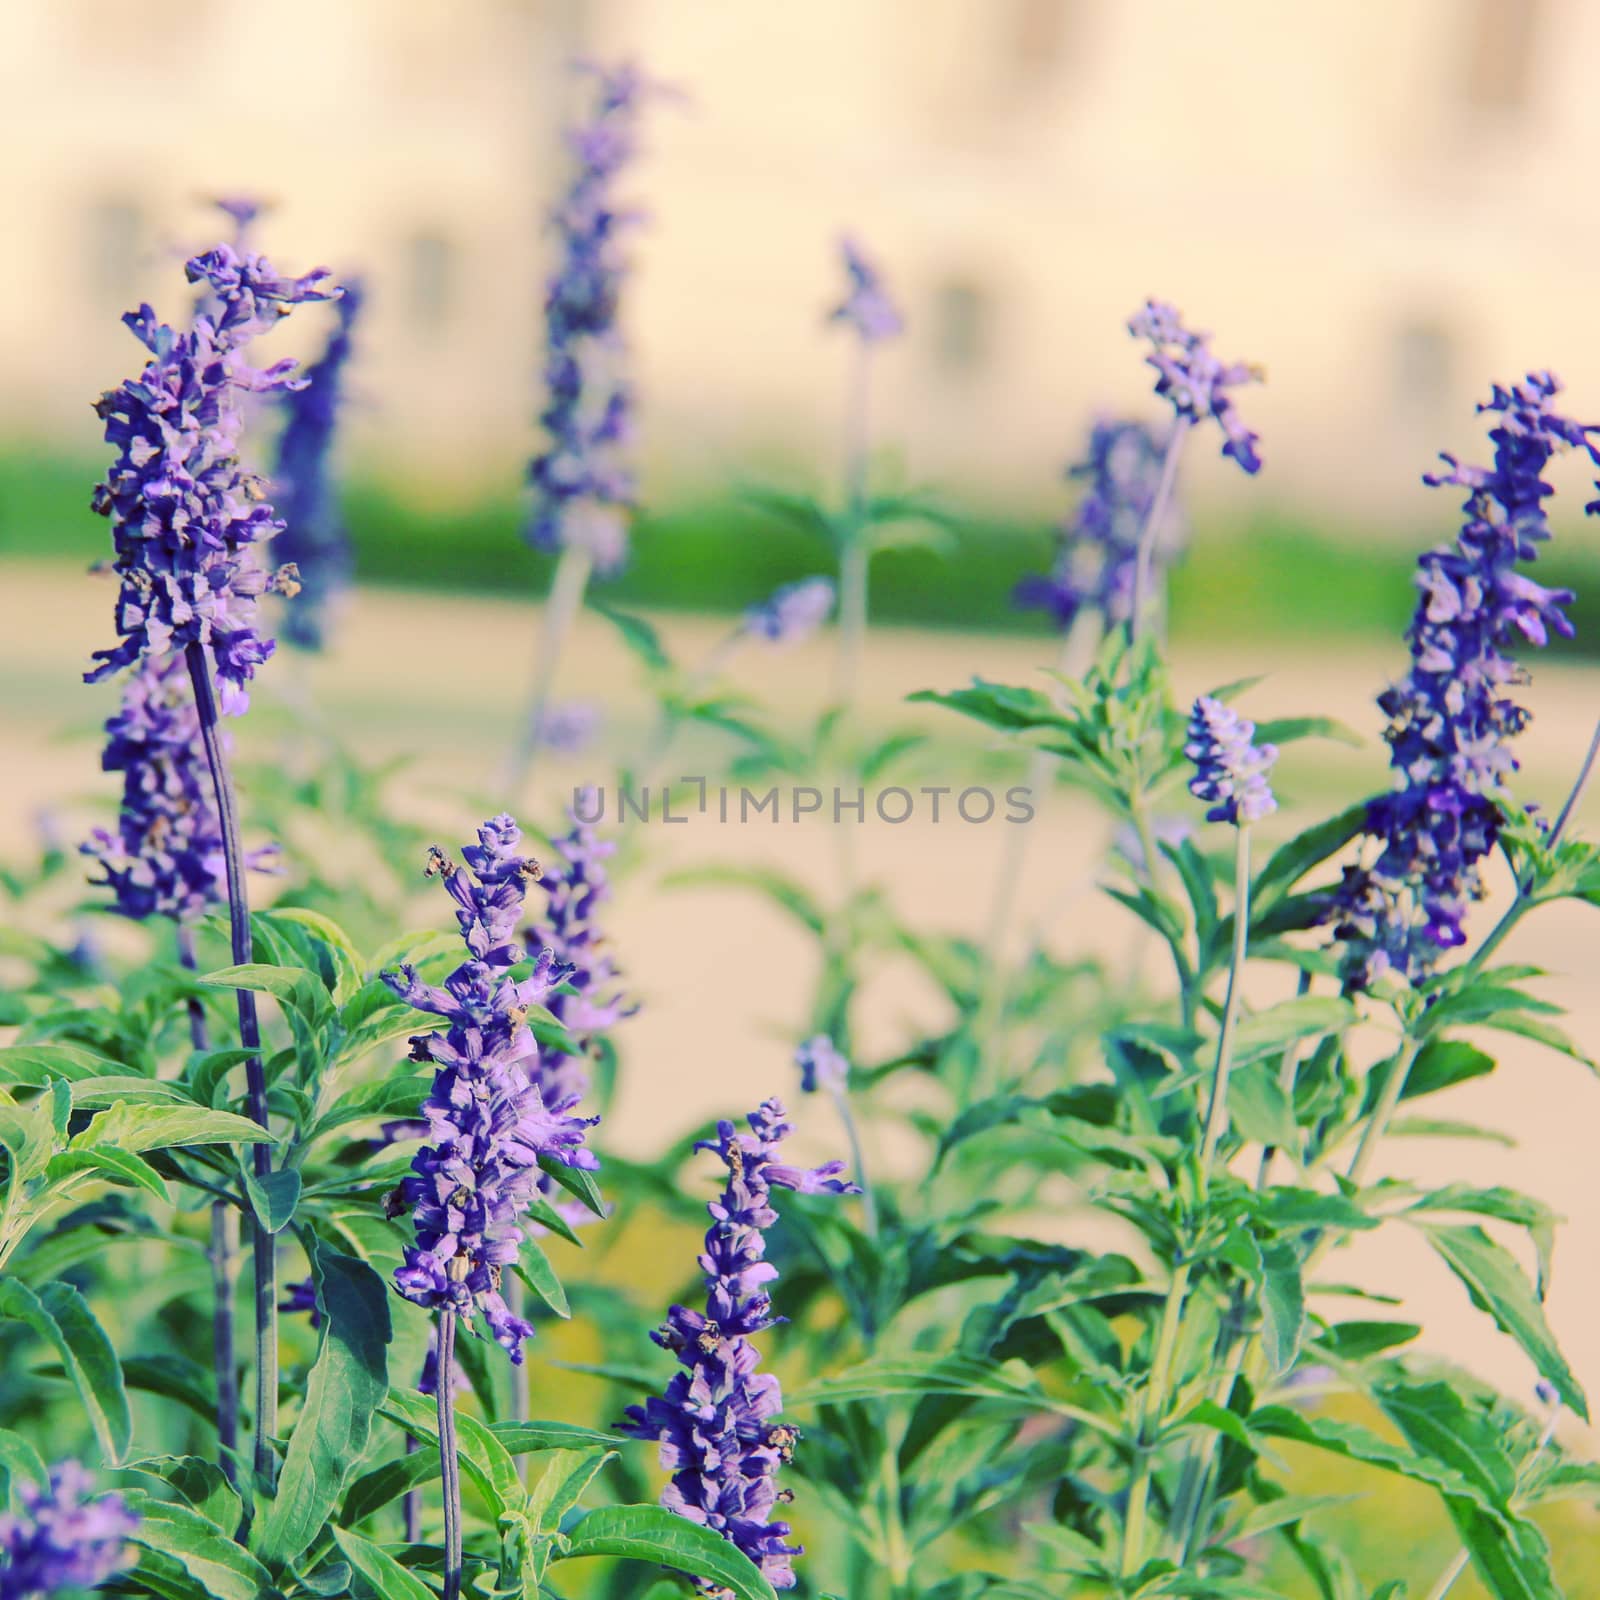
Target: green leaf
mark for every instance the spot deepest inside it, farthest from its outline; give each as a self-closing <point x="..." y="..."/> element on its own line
<point x="524" y="1438"/>
<point x="35" y="1064"/>
<point x="1498" y="1285"/>
<point x="120" y="1166"/>
<point x="372" y="1491"/>
<point x="347" y="1385"/>
<point x="61" y="1316"/>
<point x="18" y="1459"/>
<point x="274" y="1197"/>
<point x="659" y="1536"/>
<point x="534" y="1268"/>
<point x="185" y="1554"/>
<point x="1512" y="1561"/>
<point x="145" y="1127"/>
<point x="1259" y="1109"/>
<point x="1291" y="861"/>
<point x="1285" y="730"/>
<point x="1357" y="1340"/>
<point x="389" y="1580"/>
<point x="1266" y="1033"/>
<point x="576" y="1181"/>
<point x="344" y="959"/>
<point x="557" y="1483"/>
<point x="200" y="1482"/>
<point x="1283" y="1304"/>
<point x="637" y="634"/>
<point x="481" y="1453"/>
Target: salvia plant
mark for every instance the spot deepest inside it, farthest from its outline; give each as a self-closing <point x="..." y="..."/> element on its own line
<point x="1063" y="1306"/>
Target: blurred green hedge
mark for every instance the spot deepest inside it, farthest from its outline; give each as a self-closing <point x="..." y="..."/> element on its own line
<point x="1276" y="575"/>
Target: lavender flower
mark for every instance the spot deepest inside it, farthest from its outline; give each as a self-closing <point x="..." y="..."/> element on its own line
<point x="186" y="516"/>
<point x="1230" y="769"/>
<point x="314" y="536"/>
<point x="583" y="485"/>
<point x="166" y="856"/>
<point x="716" y="1422"/>
<point x="791" y="613"/>
<point x="570" y="726"/>
<point x="302" y="1301"/>
<point x="1194" y="380"/>
<point x="1451" y="719"/>
<point x="1097" y="547"/>
<point x="867" y="307"/>
<point x="821" y="1065"/>
<point x="489" y="1113"/>
<point x="63" y="1538"/>
<point x="428" y="1383"/>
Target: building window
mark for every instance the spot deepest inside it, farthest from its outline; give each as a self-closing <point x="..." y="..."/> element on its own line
<point x="431" y="272"/>
<point x="1501" y="38"/>
<point x="961" y="327"/>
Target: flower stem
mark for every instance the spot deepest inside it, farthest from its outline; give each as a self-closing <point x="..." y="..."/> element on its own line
<point x="1584" y="774"/>
<point x="449" y="1461"/>
<point x="1153" y="1407"/>
<point x="561" y="607"/>
<point x="222" y="1254"/>
<point x="869" y="1206"/>
<point x="1145" y="552"/>
<point x="262" y="1245"/>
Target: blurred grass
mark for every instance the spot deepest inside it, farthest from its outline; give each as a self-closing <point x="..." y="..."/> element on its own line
<point x="1274" y="576"/>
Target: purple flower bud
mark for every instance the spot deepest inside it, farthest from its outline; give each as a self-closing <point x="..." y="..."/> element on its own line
<point x="1452" y="718"/>
<point x="186" y="517"/>
<point x="791" y="613"/>
<point x="571" y="726"/>
<point x="867" y="307"/>
<point x="821" y="1066"/>
<point x="491" y="1113"/>
<point x="1230" y="770"/>
<point x="302" y="1301"/>
<point x="1195" y="381"/>
<point x="63" y="1538"/>
<point x="717" y="1421"/>
<point x="1097" y="547"/>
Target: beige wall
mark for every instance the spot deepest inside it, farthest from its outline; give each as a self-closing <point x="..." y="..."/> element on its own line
<point x="1386" y="202"/>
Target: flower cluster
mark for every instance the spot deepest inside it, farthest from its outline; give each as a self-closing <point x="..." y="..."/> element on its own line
<point x="866" y="307"/>
<point x="1230" y="769"/>
<point x="583" y="485"/>
<point x="314" y="536"/>
<point x="63" y="1538"/>
<point x="791" y="613"/>
<point x="1195" y="382"/>
<point x="166" y="856"/>
<point x="716" y="1422"/>
<point x="822" y="1066"/>
<point x="185" y="515"/>
<point x="489" y="1116"/>
<point x="1451" y="719"/>
<point x="1097" y="547"/>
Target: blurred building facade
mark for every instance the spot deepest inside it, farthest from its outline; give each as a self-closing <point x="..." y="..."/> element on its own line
<point x="1384" y="204"/>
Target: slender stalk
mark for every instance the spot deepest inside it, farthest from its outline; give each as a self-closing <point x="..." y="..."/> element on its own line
<point x="262" y="1244"/>
<point x="1383" y="1113"/>
<point x="221" y="1254"/>
<point x="1584" y="774"/>
<point x="869" y="1206"/>
<point x="854" y="555"/>
<point x="1153" y="1406"/>
<point x="449" y="1461"/>
<point x="561" y="607"/>
<point x="1145" y="552"/>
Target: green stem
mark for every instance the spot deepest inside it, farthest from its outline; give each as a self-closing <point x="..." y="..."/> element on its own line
<point x="897" y="1549"/>
<point x="561" y="609"/>
<point x="1147" y="534"/>
<point x="869" y="1206"/>
<point x="1383" y="1113"/>
<point x="449" y="1461"/>
<point x="1217" y="1111"/>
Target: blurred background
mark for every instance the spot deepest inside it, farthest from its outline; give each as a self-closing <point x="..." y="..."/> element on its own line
<point x="1385" y="206"/>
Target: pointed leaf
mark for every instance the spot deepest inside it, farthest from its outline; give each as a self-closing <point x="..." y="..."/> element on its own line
<point x="659" y="1536"/>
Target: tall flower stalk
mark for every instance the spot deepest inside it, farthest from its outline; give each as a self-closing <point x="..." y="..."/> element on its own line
<point x="717" y="1422"/>
<point x="314" y="536"/>
<point x="1197" y="384"/>
<point x="187" y="521"/>
<point x="489" y="1120"/>
<point x="1231" y="776"/>
<point x="824" y="1069"/>
<point x="872" y="317"/>
<point x="584" y="490"/>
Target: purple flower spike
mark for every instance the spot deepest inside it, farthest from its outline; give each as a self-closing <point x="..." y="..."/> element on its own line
<point x="63" y="1538"/>
<point x="867" y="307"/>
<point x="1230" y="770"/>
<point x="186" y="517"/>
<point x="583" y="484"/>
<point x="791" y="613"/>
<point x="1451" y="719"/>
<point x="821" y="1066"/>
<point x="1195" y="381"/>
<point x="491" y="1115"/>
<point x="314" y="536"/>
<point x="1098" y="546"/>
<point x="717" y="1422"/>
